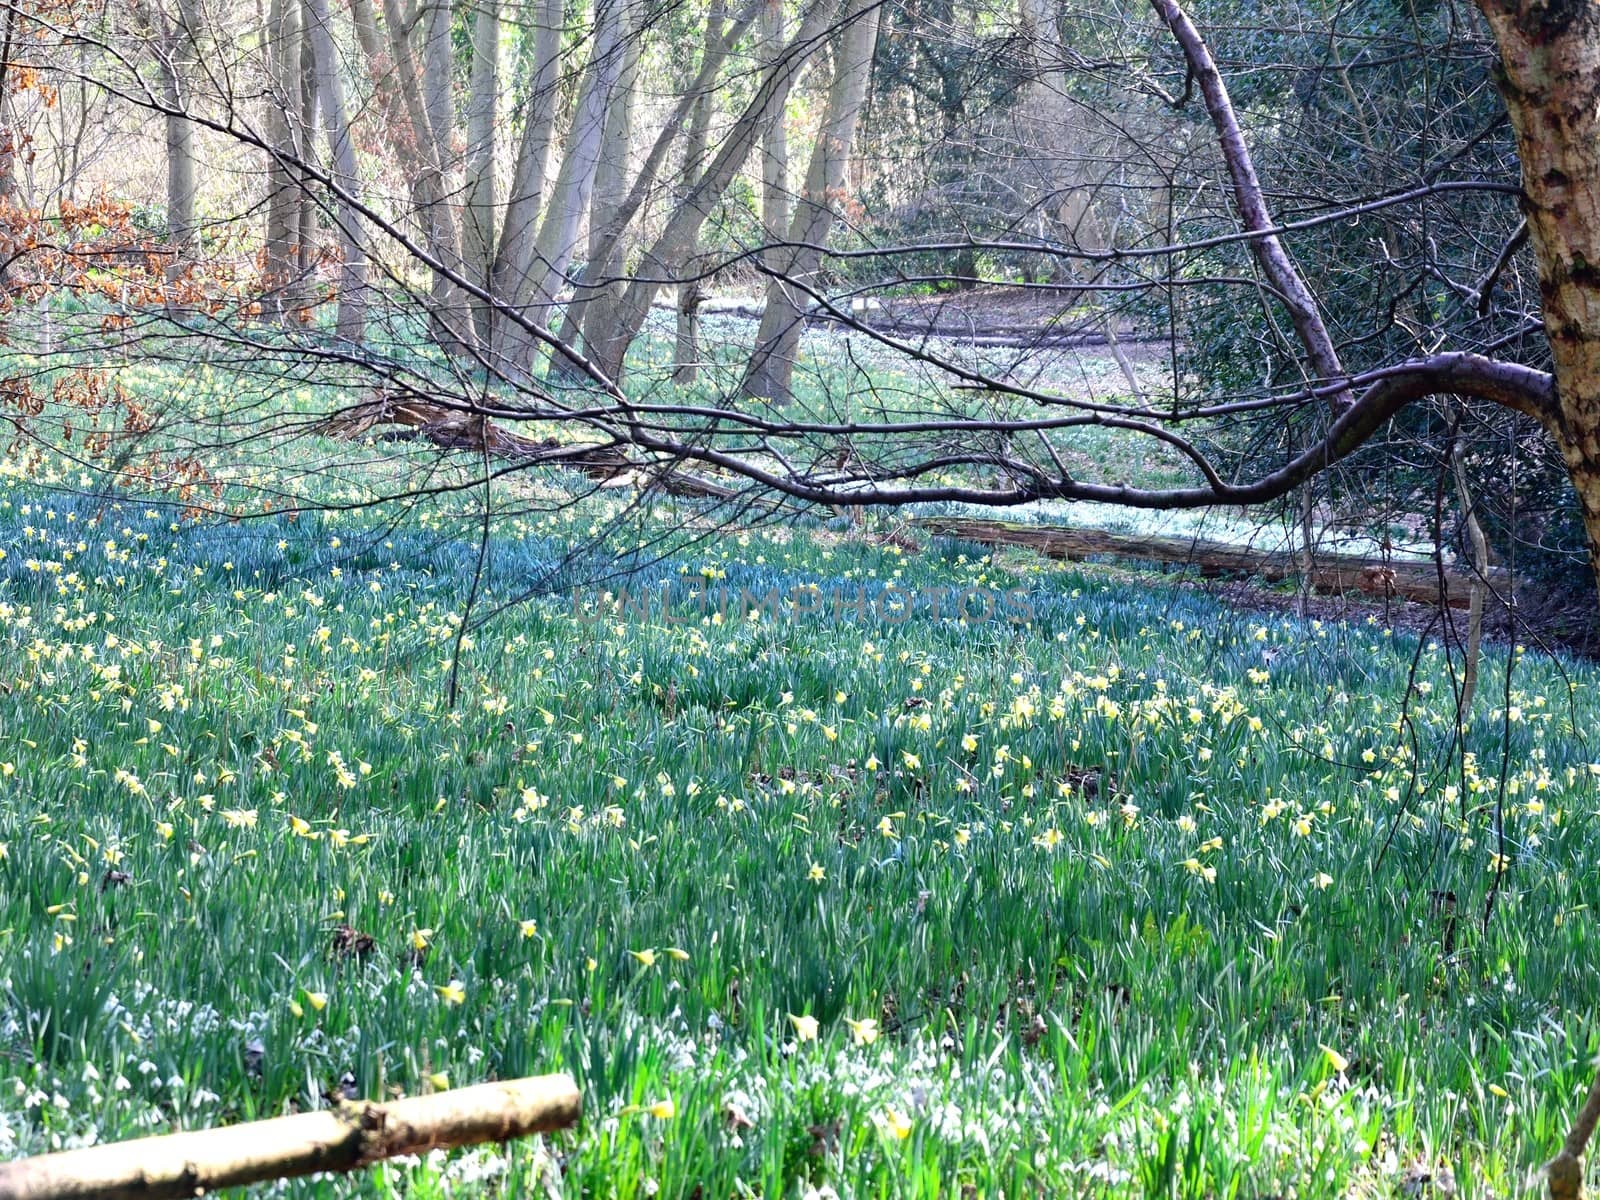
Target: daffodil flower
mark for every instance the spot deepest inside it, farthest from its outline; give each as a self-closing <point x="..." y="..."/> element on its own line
<point x="896" y="1124"/>
<point x="865" y="1030"/>
<point x="805" y="1028"/>
<point x="646" y="957"/>
<point x="452" y="992"/>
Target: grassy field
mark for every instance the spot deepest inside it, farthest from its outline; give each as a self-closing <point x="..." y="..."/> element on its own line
<point x="1112" y="893"/>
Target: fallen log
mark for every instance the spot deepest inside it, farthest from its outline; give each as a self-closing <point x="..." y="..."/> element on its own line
<point x="345" y="1138"/>
<point x="409" y="418"/>
<point x="1329" y="573"/>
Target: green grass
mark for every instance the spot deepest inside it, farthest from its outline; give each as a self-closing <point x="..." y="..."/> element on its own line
<point x="1144" y="896"/>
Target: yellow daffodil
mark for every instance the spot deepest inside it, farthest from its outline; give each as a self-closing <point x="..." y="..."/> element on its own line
<point x="865" y="1030"/>
<point x="646" y="957"/>
<point x="896" y="1124"/>
<point x="805" y="1028"/>
<point x="452" y="992"/>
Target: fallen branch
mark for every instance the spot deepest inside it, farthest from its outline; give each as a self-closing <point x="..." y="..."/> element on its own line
<point x="1329" y="573"/>
<point x="345" y="1138"/>
<point x="404" y="419"/>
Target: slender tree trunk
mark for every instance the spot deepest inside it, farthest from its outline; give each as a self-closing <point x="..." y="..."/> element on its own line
<point x="175" y="48"/>
<point x="306" y="140"/>
<point x="422" y="145"/>
<point x="774" y="141"/>
<point x="1550" y="76"/>
<point x="352" y="318"/>
<point x="478" y="217"/>
<point x="511" y="272"/>
<point x="8" y="131"/>
<point x="1479" y="545"/>
<point x="682" y="230"/>
<point x="771" y="367"/>
<point x="569" y="200"/>
<point x="284" y="197"/>
<point x="686" y="351"/>
<point x="597" y="311"/>
<point x="437" y="67"/>
<point x="603" y="263"/>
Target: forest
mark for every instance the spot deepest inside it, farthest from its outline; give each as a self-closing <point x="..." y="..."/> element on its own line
<point x="870" y="597"/>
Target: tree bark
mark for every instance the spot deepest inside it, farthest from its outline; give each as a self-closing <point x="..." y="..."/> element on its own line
<point x="478" y="217"/>
<point x="513" y="262"/>
<point x="285" y="199"/>
<point x="1550" y="77"/>
<point x="771" y="368"/>
<point x="418" y="145"/>
<point x="686" y="348"/>
<point x="602" y="264"/>
<point x="351" y="323"/>
<point x="176" y="44"/>
<point x="342" y="1139"/>
<point x="682" y="230"/>
<point x="541" y="272"/>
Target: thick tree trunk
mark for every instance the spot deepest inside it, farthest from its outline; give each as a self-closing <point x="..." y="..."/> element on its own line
<point x="351" y="322"/>
<point x="771" y="367"/>
<point x="1550" y="76"/>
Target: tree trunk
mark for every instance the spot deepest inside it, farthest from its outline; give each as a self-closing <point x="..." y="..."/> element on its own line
<point x="772" y="365"/>
<point x="1550" y="76"/>
<point x="686" y="350"/>
<point x="8" y="131"/>
<point x="534" y="294"/>
<point x="418" y="143"/>
<point x="351" y="323"/>
<point x="682" y="230"/>
<point x="774" y="139"/>
<point x="478" y="218"/>
<point x="284" y="197"/>
<point x="513" y="261"/>
<point x="306" y="141"/>
<point x="175" y="52"/>
<point x="603" y="262"/>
